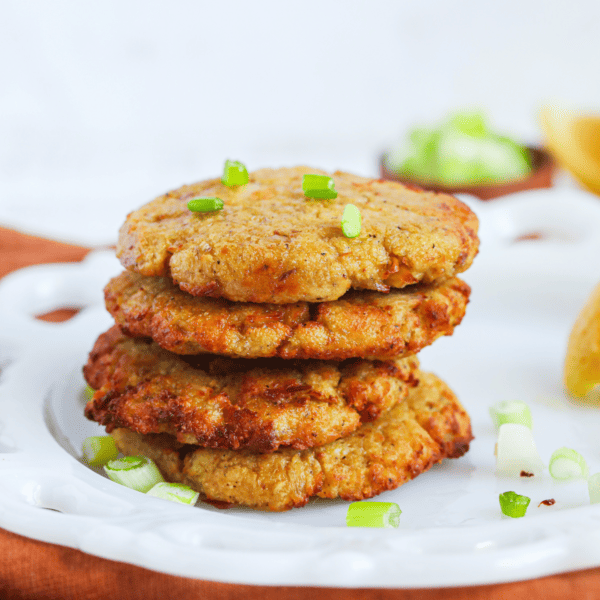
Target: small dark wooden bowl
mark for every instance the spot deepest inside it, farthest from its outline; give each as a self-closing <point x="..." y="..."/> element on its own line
<point x="540" y="177"/>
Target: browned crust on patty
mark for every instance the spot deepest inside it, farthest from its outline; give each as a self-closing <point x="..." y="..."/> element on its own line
<point x="259" y="404"/>
<point x="271" y="244"/>
<point x="361" y="324"/>
<point x="415" y="434"/>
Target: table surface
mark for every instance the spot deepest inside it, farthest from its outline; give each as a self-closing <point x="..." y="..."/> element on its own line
<point x="33" y="569"/>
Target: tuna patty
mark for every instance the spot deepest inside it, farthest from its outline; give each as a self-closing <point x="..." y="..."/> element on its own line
<point x="428" y="426"/>
<point x="259" y="404"/>
<point x="361" y="324"/>
<point x="271" y="244"/>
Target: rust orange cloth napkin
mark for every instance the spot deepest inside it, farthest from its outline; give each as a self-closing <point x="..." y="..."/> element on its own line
<point x="34" y="570"/>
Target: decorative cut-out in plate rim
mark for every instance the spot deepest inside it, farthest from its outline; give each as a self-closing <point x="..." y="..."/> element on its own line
<point x="525" y="297"/>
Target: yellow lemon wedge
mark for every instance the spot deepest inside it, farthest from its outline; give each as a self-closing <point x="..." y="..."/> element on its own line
<point x="574" y="140"/>
<point x="582" y="364"/>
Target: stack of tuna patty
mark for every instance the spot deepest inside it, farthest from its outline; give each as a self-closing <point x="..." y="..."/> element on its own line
<point x="262" y="358"/>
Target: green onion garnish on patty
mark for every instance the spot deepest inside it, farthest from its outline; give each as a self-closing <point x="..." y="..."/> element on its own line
<point x="514" y="505"/>
<point x="205" y="204"/>
<point x="98" y="450"/>
<point x="373" y="514"/>
<point x="511" y="412"/>
<point x="566" y="463"/>
<point x="136" y="472"/>
<point x="234" y="173"/>
<point x="89" y="392"/>
<point x="174" y="492"/>
<point x="351" y="221"/>
<point x="320" y="187"/>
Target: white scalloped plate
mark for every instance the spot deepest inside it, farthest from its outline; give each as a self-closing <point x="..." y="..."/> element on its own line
<point x="525" y="298"/>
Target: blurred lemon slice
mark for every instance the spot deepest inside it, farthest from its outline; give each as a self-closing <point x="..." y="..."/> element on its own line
<point x="574" y="140"/>
<point x="582" y="364"/>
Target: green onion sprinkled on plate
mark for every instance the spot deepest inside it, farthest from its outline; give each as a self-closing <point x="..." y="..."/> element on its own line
<point x="594" y="488"/>
<point x="514" y="505"/>
<point x="373" y="514"/>
<point x="136" y="472"/>
<point x="205" y="204"/>
<point x="566" y="463"/>
<point x="234" y="173"/>
<point x="98" y="450"/>
<point x="511" y="412"/>
<point x="351" y="221"/>
<point x="516" y="451"/>
<point x="175" y="492"/>
<point x="320" y="187"/>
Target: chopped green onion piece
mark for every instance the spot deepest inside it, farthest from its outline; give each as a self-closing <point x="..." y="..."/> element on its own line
<point x="174" y="492"/>
<point x="98" y="450"/>
<point x="89" y="391"/>
<point x="565" y="463"/>
<point x="373" y="514"/>
<point x="351" y="221"/>
<point x="511" y="412"/>
<point x="516" y="451"/>
<point x="321" y="187"/>
<point x="460" y="151"/>
<point x="470" y="123"/>
<point x="234" y="173"/>
<point x="136" y="472"/>
<point x="513" y="504"/>
<point x="205" y="204"/>
<point x="594" y="488"/>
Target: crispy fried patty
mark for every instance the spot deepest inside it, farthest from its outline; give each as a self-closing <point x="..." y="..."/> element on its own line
<point x="361" y="324"/>
<point x="428" y="426"/>
<point x="259" y="404"/>
<point x="271" y="244"/>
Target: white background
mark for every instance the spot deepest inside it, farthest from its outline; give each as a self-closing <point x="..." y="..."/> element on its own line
<point x="104" y="105"/>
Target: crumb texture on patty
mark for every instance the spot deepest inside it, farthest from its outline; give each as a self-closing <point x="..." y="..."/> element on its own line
<point x="361" y="324"/>
<point x="258" y="404"/>
<point x="415" y="434"/>
<point x="271" y="244"/>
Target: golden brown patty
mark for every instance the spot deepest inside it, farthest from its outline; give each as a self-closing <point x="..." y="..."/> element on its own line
<point x="271" y="244"/>
<point x="428" y="426"/>
<point x="260" y="404"/>
<point x="361" y="324"/>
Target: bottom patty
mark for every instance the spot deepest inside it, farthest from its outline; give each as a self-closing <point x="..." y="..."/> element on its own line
<point x="415" y="434"/>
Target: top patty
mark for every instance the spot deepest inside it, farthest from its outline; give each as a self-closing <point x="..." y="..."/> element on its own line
<point x="271" y="244"/>
<point x="361" y="324"/>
